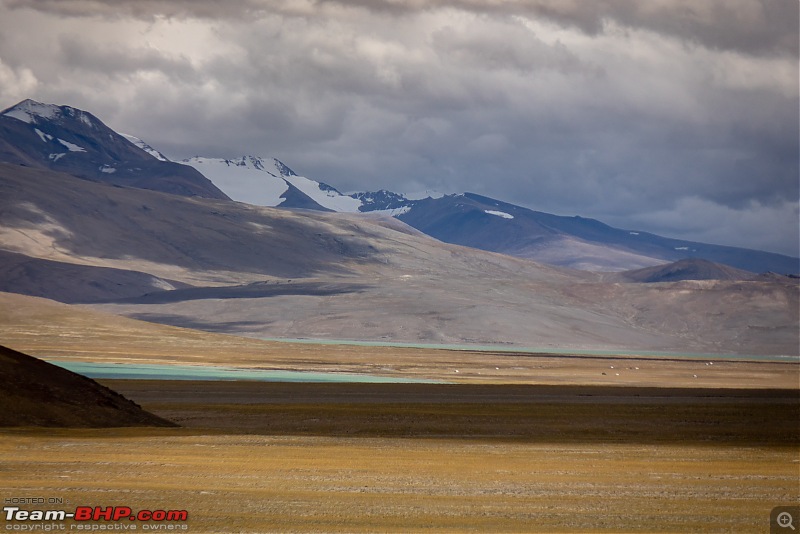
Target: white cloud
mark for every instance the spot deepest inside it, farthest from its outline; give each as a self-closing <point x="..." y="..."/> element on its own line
<point x="16" y="84"/>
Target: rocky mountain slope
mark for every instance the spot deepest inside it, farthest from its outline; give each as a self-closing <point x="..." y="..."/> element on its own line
<point x="73" y="141"/>
<point x="576" y="242"/>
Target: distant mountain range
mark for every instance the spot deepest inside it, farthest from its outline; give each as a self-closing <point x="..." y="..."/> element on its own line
<point x="482" y="222"/>
<point x="66" y="139"/>
<point x="159" y="241"/>
<point x="576" y="242"/>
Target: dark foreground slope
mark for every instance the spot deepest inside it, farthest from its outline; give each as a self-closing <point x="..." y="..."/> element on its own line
<point x="36" y="393"/>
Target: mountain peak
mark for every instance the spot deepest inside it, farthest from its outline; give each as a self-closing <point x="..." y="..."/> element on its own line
<point x="250" y="162"/>
<point x="72" y="141"/>
<point x="244" y="162"/>
<point x="283" y="169"/>
<point x="32" y="112"/>
<point x="29" y="110"/>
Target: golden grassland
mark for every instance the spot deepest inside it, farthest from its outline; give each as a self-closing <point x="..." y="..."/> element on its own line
<point x="335" y="458"/>
<point x="262" y="483"/>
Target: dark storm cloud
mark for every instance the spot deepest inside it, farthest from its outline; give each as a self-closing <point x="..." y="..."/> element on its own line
<point x="762" y="27"/>
<point x="665" y="115"/>
<point x="143" y="9"/>
<point x="753" y="26"/>
<point x="119" y="60"/>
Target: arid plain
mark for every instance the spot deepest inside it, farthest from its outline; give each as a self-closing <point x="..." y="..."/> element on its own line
<point x="513" y="443"/>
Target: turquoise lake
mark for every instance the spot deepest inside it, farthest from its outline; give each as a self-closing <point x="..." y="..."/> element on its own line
<point x="196" y="372"/>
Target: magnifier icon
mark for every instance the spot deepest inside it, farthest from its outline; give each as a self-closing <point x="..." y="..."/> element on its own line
<point x="785" y="520"/>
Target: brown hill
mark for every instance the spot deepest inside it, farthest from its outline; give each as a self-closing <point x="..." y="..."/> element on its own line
<point x="688" y="269"/>
<point x="74" y="283"/>
<point x="36" y="393"/>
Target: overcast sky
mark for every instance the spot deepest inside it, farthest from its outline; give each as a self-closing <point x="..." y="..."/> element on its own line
<point x="673" y="116"/>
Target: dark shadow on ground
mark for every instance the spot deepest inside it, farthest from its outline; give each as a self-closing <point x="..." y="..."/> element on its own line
<point x="547" y="414"/>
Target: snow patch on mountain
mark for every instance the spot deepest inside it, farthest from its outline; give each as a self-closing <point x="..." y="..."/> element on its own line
<point x="46" y="138"/>
<point x="29" y="110"/>
<point x="144" y="146"/>
<point x="247" y="179"/>
<point x="502" y="214"/>
<point x="84" y="118"/>
<point x="324" y="195"/>
<point x="262" y="181"/>
<point x="394" y="212"/>
<point x="72" y="147"/>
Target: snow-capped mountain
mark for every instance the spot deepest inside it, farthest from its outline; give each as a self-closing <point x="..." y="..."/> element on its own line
<point x="578" y="242"/>
<point x="269" y="182"/>
<point x="32" y="112"/>
<point x="479" y="222"/>
<point x="69" y="140"/>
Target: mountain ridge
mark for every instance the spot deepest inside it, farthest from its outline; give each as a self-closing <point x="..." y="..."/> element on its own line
<point x="686" y="269"/>
<point x="270" y="182"/>
<point x="468" y="220"/>
<point x="66" y="139"/>
<point x="74" y="141"/>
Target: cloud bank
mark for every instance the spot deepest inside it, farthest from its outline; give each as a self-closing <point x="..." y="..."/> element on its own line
<point x="671" y="116"/>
